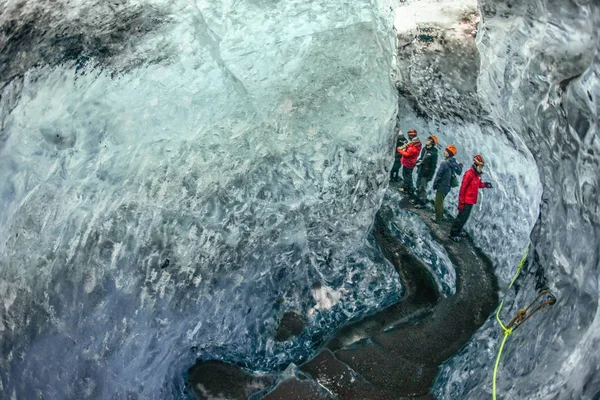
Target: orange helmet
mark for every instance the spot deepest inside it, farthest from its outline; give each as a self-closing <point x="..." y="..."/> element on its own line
<point x="412" y="133"/>
<point x="478" y="160"/>
<point x="451" y="149"/>
<point x="433" y="139"/>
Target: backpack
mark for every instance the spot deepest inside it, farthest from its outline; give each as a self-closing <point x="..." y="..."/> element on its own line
<point x="453" y="181"/>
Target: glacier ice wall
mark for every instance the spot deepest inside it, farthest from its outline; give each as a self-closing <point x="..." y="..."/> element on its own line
<point x="540" y="80"/>
<point x="153" y="212"/>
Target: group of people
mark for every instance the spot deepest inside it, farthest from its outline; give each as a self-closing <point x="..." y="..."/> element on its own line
<point x="410" y="154"/>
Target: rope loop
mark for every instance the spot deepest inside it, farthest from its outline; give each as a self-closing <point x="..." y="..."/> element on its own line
<point x="522" y="316"/>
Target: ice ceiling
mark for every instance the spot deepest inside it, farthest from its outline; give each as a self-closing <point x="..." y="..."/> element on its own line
<point x="176" y="175"/>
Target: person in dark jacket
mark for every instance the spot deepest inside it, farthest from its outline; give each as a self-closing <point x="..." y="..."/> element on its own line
<point x="426" y="168"/>
<point x="443" y="180"/>
<point x="467" y="197"/>
<point x="410" y="153"/>
<point x="400" y="141"/>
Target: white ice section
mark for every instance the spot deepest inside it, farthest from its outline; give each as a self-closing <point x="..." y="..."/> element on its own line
<point x="191" y="202"/>
<point x="443" y="14"/>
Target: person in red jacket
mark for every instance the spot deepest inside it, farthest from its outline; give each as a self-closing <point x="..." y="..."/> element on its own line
<point x="467" y="196"/>
<point x="410" y="154"/>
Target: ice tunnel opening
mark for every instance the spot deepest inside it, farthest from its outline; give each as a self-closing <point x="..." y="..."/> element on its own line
<point x="439" y="94"/>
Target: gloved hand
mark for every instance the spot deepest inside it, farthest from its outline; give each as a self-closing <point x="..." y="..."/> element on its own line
<point x="488" y="185"/>
<point x="461" y="206"/>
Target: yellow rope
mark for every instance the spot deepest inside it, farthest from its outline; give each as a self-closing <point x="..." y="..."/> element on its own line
<point x="506" y="331"/>
<point x="520" y="266"/>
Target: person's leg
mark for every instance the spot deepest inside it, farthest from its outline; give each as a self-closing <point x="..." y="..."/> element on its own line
<point x="468" y="208"/>
<point x="411" y="182"/>
<point x="421" y="186"/>
<point x="395" y="170"/>
<point x="439" y="206"/>
<point x="461" y="220"/>
<point x="425" y="190"/>
<point x="407" y="177"/>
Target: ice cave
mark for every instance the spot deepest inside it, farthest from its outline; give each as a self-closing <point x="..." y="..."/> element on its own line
<point x="195" y="200"/>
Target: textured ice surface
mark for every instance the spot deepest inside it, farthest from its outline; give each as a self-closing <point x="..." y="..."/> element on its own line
<point x="540" y="80"/>
<point x="194" y="167"/>
<point x="189" y="202"/>
<point x="414" y="234"/>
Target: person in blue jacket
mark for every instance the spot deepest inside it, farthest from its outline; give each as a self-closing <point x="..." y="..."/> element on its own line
<point x="443" y="180"/>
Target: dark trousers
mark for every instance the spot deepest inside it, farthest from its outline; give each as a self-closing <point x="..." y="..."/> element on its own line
<point x="408" y="179"/>
<point x="395" y="170"/>
<point x="439" y="206"/>
<point x="461" y="220"/>
<point x="422" y="188"/>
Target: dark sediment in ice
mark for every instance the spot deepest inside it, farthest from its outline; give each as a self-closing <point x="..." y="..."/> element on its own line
<point x="49" y="33"/>
<point x="217" y="379"/>
<point x="291" y="324"/>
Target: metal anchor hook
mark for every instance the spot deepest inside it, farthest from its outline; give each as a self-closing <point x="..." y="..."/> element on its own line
<point x="550" y="299"/>
<point x="547" y="299"/>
